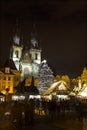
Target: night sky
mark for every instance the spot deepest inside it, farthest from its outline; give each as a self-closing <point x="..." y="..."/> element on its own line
<point x="61" y="26"/>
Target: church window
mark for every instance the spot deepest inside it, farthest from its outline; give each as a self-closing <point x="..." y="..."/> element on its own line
<point x="36" y="55"/>
<point x="16" y="53"/>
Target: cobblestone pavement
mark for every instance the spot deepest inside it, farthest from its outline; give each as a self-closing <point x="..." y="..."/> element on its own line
<point x="39" y="124"/>
<point x="45" y="123"/>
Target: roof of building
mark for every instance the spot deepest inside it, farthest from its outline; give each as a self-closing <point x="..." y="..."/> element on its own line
<point x="10" y="63"/>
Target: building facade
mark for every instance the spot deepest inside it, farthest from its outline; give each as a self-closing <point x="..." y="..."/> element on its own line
<point x="27" y="60"/>
<point x="9" y="79"/>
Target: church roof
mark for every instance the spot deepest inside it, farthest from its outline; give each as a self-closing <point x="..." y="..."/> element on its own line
<point x="10" y="63"/>
<point x="34" y="40"/>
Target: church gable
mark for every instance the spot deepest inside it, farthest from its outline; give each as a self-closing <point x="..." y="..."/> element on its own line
<point x="26" y="57"/>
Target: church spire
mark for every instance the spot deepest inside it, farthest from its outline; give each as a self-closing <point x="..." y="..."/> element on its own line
<point x="16" y="34"/>
<point x="34" y="38"/>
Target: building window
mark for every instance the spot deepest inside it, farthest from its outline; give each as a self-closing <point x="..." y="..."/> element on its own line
<point x="9" y="78"/>
<point x="16" y="54"/>
<point x="36" y="56"/>
<point x="4" y="78"/>
<point x="3" y="87"/>
<point x="7" y="70"/>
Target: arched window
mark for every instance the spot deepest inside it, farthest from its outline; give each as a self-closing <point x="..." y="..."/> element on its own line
<point x="36" y="56"/>
<point x="16" y="53"/>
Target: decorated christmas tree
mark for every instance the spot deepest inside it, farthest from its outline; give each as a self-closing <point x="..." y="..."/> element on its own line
<point x="45" y="78"/>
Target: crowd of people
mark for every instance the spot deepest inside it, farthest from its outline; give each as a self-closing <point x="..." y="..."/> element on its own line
<point x="26" y="112"/>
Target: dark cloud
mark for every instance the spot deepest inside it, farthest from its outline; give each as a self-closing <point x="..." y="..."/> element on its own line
<point x="41" y="9"/>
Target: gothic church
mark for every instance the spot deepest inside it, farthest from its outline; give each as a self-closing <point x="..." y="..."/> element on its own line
<point x="27" y="60"/>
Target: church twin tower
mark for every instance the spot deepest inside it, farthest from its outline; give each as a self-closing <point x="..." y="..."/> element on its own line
<point x="27" y="60"/>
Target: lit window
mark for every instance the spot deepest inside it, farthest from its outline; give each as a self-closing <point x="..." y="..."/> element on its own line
<point x="9" y="78"/>
<point x="4" y="78"/>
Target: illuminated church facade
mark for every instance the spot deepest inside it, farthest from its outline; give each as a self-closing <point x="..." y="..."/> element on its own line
<point x="24" y="62"/>
<point x="27" y="60"/>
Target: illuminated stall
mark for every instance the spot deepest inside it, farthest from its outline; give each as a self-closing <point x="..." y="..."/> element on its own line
<point x="18" y="97"/>
<point x="83" y="92"/>
<point x="58" y="90"/>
